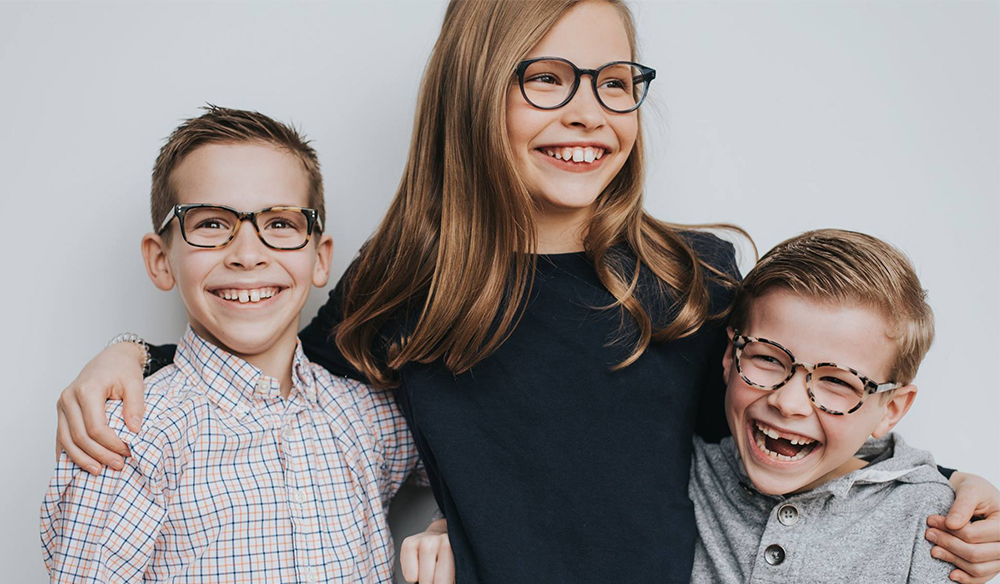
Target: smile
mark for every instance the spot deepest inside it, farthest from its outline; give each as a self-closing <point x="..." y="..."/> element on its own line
<point x="576" y="154"/>
<point x="245" y="295"/>
<point x="779" y="445"/>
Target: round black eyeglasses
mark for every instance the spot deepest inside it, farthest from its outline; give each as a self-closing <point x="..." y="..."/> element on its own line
<point x="551" y="82"/>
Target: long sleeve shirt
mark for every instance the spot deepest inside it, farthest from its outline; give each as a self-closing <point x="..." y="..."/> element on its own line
<point x="230" y="482"/>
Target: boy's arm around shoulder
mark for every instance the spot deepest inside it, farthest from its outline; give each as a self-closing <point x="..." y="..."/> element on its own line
<point x="103" y="528"/>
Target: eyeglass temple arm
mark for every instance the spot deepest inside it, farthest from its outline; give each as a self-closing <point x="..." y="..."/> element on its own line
<point x="166" y="220"/>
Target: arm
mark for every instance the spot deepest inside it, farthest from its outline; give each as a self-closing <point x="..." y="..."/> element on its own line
<point x="969" y="538"/>
<point x="100" y="528"/>
<point x="426" y="557"/>
<point x="116" y="373"/>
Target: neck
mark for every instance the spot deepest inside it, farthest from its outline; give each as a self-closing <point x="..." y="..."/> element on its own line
<point x="273" y="361"/>
<point x="561" y="230"/>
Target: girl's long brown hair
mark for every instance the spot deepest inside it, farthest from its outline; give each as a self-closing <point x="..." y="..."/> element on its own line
<point x="454" y="255"/>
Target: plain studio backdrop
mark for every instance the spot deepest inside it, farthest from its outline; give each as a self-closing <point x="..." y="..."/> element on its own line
<point x="777" y="116"/>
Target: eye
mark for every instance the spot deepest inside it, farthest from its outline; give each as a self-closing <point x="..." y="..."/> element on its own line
<point x="547" y="78"/>
<point x="211" y="224"/>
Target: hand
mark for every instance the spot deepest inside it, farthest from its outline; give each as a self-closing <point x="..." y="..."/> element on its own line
<point x="83" y="432"/>
<point x="426" y="557"/>
<point x="970" y="537"/>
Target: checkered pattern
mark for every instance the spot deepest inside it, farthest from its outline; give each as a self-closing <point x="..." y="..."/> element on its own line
<point x="230" y="482"/>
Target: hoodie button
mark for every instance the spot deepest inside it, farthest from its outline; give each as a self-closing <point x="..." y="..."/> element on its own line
<point x="774" y="554"/>
<point x="788" y="515"/>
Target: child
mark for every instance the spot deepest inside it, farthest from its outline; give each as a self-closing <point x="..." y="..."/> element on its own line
<point x="252" y="465"/>
<point x="826" y="335"/>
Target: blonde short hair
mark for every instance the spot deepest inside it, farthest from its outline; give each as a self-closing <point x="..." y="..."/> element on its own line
<point x="222" y="125"/>
<point x="848" y="267"/>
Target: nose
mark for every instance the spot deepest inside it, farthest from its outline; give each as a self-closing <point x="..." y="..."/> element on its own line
<point x="246" y="250"/>
<point x="584" y="110"/>
<point x="792" y="398"/>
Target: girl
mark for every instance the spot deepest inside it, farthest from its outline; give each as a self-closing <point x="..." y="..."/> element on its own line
<point x="552" y="346"/>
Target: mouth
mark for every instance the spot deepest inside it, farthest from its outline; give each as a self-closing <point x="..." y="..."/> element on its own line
<point x="585" y="155"/>
<point x="247" y="295"/>
<point x="776" y="445"/>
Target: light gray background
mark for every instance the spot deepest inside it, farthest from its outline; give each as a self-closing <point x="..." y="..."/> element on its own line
<point x="777" y="116"/>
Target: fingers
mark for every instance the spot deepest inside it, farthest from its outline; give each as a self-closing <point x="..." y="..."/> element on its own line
<point x="81" y="440"/>
<point x="408" y="559"/>
<point x="133" y="403"/>
<point x="428" y="551"/>
<point x="967" y="573"/>
<point x="963" y="508"/>
<point x="982" y="531"/>
<point x="444" y="573"/>
<point x="975" y="553"/>
<point x="65" y="441"/>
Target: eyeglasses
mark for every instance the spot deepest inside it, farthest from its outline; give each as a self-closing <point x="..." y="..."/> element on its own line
<point x="214" y="226"/>
<point x="551" y="82"/>
<point x="834" y="389"/>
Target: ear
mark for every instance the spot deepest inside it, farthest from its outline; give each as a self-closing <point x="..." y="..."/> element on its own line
<point x="154" y="254"/>
<point x="895" y="409"/>
<point x="727" y="356"/>
<point x="324" y="253"/>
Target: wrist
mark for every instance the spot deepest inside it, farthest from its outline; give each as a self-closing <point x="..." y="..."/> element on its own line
<point x="136" y="343"/>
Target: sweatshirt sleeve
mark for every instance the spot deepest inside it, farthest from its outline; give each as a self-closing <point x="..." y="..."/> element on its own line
<point x="925" y="568"/>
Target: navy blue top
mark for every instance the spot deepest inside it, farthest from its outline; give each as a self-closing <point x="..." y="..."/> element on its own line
<point x="549" y="466"/>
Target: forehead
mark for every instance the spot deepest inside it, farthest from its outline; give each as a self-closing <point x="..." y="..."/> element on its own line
<point x="590" y="34"/>
<point x="815" y="330"/>
<point x="245" y="175"/>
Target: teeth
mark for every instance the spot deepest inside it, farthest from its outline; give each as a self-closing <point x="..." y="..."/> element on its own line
<point x="774" y="434"/>
<point x="244" y="296"/>
<point x="586" y="155"/>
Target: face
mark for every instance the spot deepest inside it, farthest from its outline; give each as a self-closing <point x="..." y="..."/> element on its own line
<point x="814" y="446"/>
<point x="589" y="35"/>
<point x="266" y="288"/>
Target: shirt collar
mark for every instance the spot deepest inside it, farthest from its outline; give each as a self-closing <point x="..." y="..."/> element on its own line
<point x="229" y="380"/>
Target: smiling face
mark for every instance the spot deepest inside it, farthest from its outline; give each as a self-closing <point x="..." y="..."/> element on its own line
<point x="785" y="443"/>
<point x="244" y="297"/>
<point x="568" y="156"/>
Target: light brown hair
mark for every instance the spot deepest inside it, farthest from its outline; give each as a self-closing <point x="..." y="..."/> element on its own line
<point x="221" y="125"/>
<point x="848" y="267"/>
<point x="454" y="254"/>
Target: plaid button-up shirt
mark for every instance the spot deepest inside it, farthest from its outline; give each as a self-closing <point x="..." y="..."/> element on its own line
<point x="230" y="482"/>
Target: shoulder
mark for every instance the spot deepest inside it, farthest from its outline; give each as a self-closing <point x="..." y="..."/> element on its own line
<point x="173" y="406"/>
<point x="712" y="249"/>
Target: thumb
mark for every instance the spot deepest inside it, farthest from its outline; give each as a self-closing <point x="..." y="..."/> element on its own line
<point x="133" y="403"/>
<point x="962" y="509"/>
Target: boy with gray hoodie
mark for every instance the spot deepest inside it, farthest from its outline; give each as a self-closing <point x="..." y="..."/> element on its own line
<point x="826" y="336"/>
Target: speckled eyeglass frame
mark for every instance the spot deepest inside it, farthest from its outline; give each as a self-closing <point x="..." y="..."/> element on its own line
<point x="870" y="386"/>
<point x="313" y="222"/>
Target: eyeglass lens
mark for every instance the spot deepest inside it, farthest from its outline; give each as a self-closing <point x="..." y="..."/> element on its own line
<point x="833" y="388"/>
<point x="548" y="83"/>
<point x="214" y="226"/>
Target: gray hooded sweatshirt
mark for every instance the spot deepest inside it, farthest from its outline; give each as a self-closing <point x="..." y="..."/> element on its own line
<point x="864" y="527"/>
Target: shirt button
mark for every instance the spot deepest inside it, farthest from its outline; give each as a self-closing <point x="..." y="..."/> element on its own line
<point x="774" y="554"/>
<point x="311" y="576"/>
<point x="301" y="496"/>
<point x="263" y="385"/>
<point x="788" y="515"/>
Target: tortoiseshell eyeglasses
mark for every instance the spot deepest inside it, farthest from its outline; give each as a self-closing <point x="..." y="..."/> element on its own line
<point x="832" y="388"/>
<point x="214" y="226"/>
